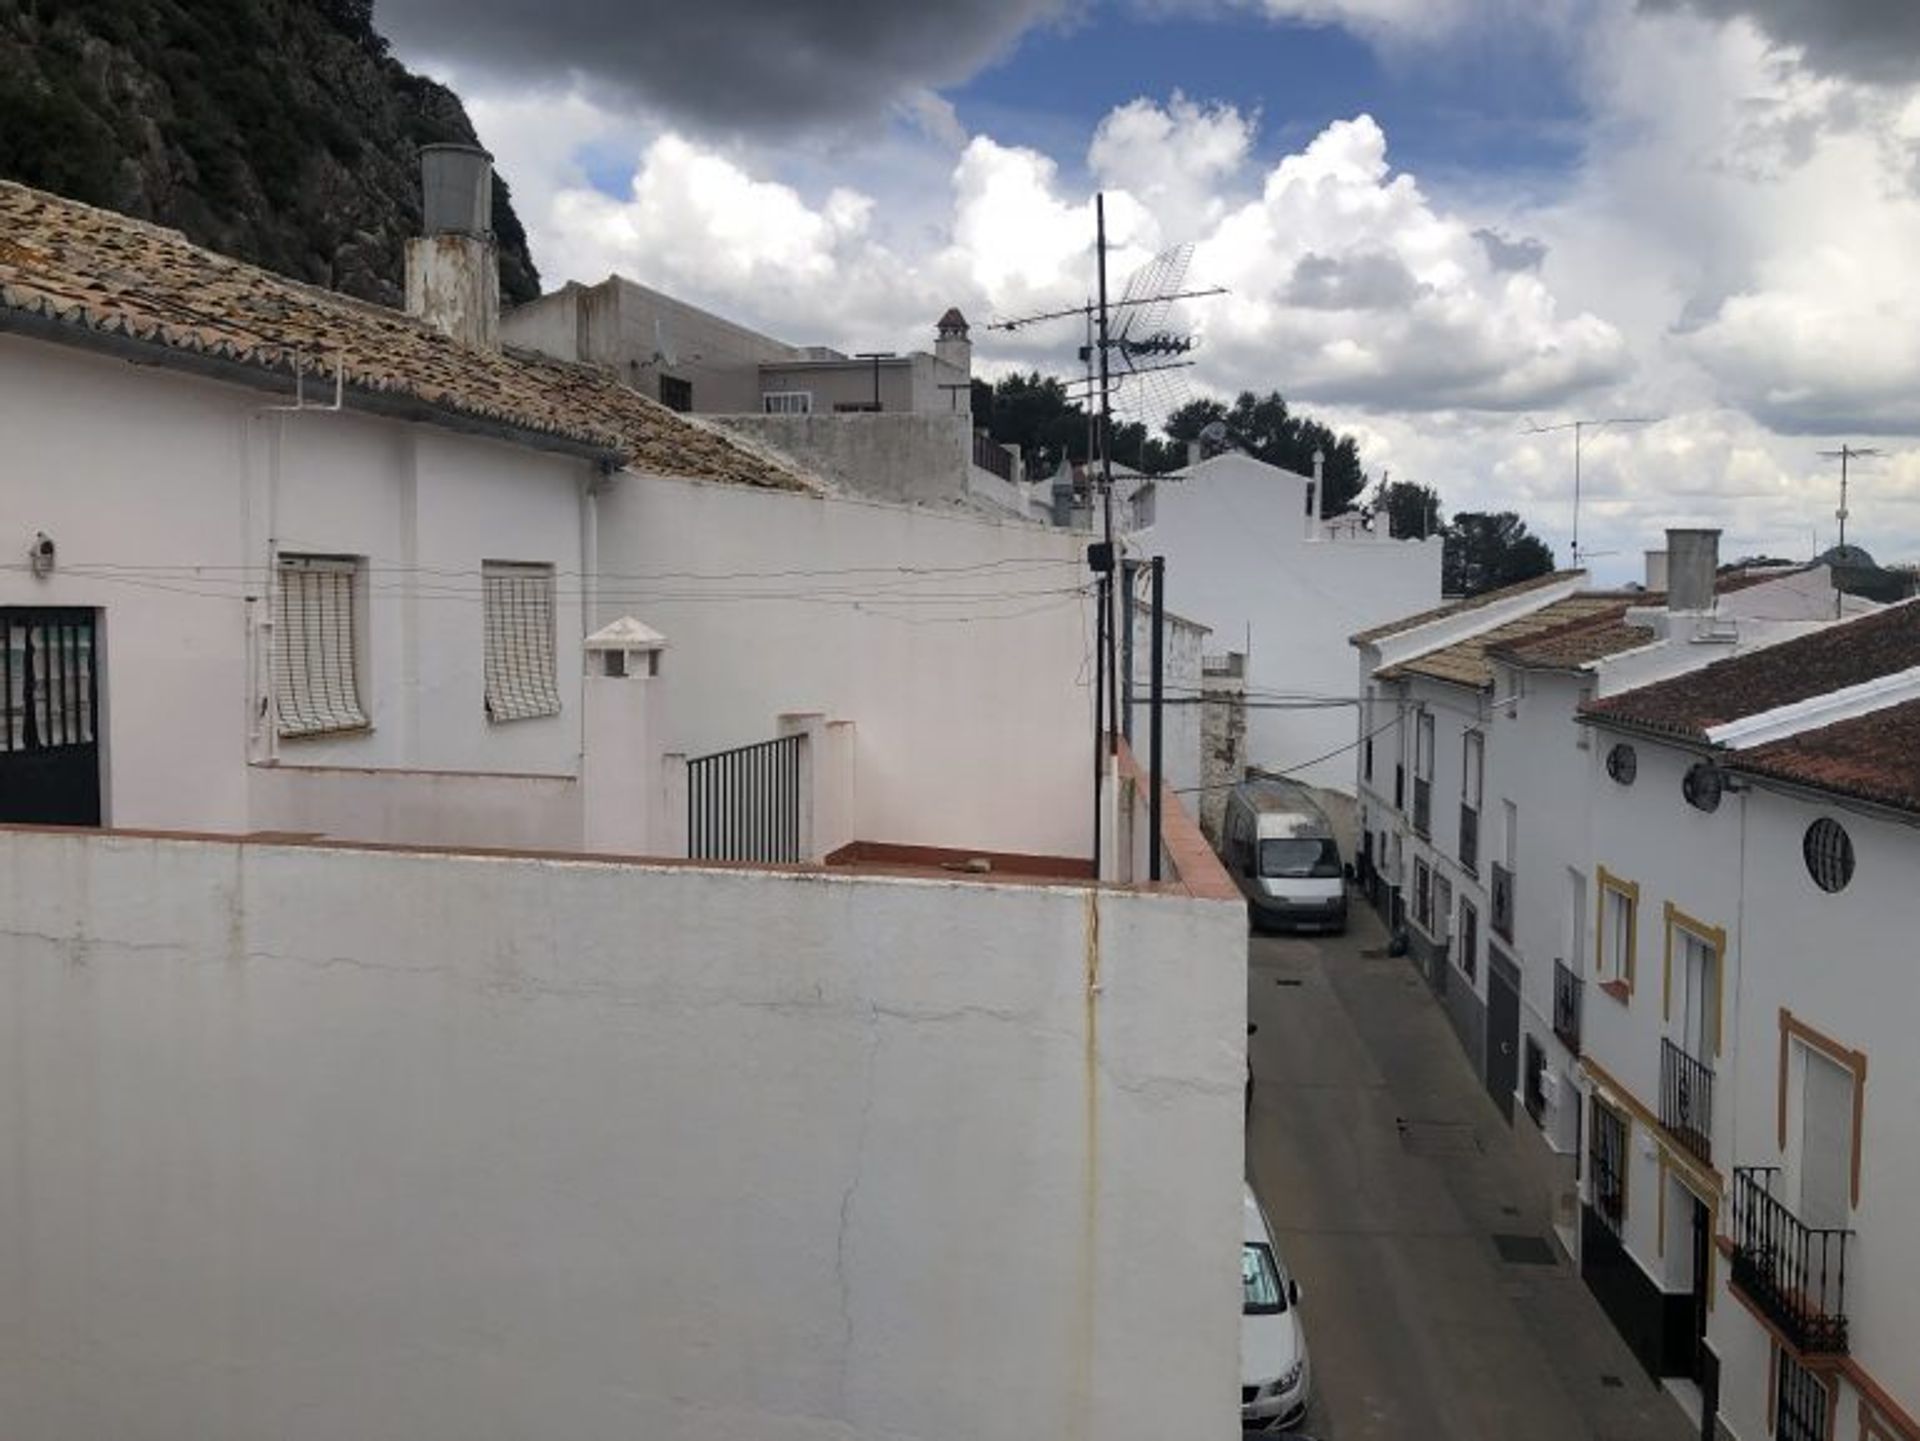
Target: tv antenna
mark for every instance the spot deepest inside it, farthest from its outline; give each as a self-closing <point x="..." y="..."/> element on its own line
<point x="1579" y="427"/>
<point x="1843" y="455"/>
<point x="1129" y="332"/>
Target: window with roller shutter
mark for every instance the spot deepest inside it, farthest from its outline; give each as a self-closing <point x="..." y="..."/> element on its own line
<point x="316" y="673"/>
<point x="520" y="672"/>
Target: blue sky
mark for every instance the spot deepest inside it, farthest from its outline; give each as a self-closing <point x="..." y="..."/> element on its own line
<point x="1494" y="101"/>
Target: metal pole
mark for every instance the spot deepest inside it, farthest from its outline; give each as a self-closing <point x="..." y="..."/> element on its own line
<point x="1129" y="577"/>
<point x="1154" y="715"/>
<point x="1106" y="462"/>
<point x="1099" y="704"/>
<point x="1576" y="493"/>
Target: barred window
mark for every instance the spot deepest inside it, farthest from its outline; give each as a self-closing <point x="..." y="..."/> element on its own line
<point x="316" y="685"/>
<point x="519" y="641"/>
<point x="1799" y="1401"/>
<point x="1607" y="1164"/>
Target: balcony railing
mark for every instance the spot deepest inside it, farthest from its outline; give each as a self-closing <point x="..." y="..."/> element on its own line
<point x="1686" y="1099"/>
<point x="1795" y="1274"/>
<point x="1470" y="839"/>
<point x="1566" y="1006"/>
<point x="1423" y="805"/>
<point x="1502" y="902"/>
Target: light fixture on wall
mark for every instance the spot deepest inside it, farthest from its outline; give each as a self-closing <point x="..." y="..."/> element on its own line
<point x="40" y="554"/>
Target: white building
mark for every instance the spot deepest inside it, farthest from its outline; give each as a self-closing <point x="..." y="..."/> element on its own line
<point x="1249" y="557"/>
<point x="1746" y="1176"/>
<point x="371" y="1082"/>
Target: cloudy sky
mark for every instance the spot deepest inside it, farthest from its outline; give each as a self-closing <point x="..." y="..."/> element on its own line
<point x="1442" y="223"/>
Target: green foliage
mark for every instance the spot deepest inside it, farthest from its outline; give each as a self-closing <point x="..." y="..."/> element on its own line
<point x="1266" y="429"/>
<point x="1486" y="550"/>
<point x="1412" y="511"/>
<point x="55" y="136"/>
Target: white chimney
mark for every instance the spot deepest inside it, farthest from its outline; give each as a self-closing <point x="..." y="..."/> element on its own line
<point x="952" y="345"/>
<point x="1656" y="569"/>
<point x="1693" y="559"/>
<point x="453" y="270"/>
<point x="1194" y="454"/>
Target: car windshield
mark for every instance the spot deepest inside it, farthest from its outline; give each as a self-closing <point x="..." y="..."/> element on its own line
<point x="1299" y="858"/>
<point x="1261" y="1291"/>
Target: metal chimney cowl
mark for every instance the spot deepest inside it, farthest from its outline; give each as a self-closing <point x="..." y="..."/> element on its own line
<point x="1693" y="561"/>
<point x="453" y="271"/>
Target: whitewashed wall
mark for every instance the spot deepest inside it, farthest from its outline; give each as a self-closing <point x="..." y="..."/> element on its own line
<point x="164" y="494"/>
<point x="1240" y="559"/>
<point x="969" y="685"/>
<point x="313" y="1143"/>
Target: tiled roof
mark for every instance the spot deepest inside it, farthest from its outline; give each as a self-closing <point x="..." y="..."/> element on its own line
<point x="1873" y="757"/>
<point x="70" y="271"/>
<point x="1848" y="653"/>
<point x="1441" y="612"/>
<point x="1466" y="662"/>
<point x="1571" y="646"/>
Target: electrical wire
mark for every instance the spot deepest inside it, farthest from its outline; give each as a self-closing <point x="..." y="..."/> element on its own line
<point x="1298" y="766"/>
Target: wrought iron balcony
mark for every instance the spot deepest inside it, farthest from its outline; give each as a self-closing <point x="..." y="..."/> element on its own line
<point x="1502" y="902"/>
<point x="1795" y="1274"/>
<point x="1566" y="1006"/>
<point x="1422" y="805"/>
<point x="1469" y="839"/>
<point x="1686" y="1099"/>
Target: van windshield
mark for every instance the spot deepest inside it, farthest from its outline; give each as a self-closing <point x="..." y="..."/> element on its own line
<point x="1299" y="858"/>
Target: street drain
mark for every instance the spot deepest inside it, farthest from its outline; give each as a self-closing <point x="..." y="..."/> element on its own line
<point x="1437" y="1138"/>
<point x="1518" y="1250"/>
<point x="1286" y="980"/>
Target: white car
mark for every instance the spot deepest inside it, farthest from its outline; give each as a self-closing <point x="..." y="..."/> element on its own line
<point x="1275" y="1375"/>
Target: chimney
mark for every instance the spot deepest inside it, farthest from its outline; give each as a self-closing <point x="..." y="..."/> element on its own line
<point x="453" y="272"/>
<point x="1194" y="454"/>
<point x="1693" y="558"/>
<point x="952" y="345"/>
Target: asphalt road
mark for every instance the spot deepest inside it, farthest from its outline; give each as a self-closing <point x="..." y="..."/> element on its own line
<point x="1387" y="1172"/>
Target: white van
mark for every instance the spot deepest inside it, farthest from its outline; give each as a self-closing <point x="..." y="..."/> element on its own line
<point x="1280" y="849"/>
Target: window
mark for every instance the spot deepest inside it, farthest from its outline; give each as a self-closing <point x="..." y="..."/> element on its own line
<point x="1607" y="1164"/>
<point x="1692" y="983"/>
<point x="1366" y="736"/>
<point x="1262" y="1290"/>
<point x="1799" y="1401"/>
<point x="1534" y="1082"/>
<point x="1510" y="839"/>
<point x="676" y="394"/>
<point x="1821" y="1105"/>
<point x="1297" y="857"/>
<point x="787" y="402"/>
<point x="1422" y="894"/>
<point x="1423" y="748"/>
<point x="1472" y="761"/>
<point x="1828" y="852"/>
<point x="1619" y="916"/>
<point x="316" y="681"/>
<point x="518" y="623"/>
<point x="1469" y="938"/>
<point x="1442" y="906"/>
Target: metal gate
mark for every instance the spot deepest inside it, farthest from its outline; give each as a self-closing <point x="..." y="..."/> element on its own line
<point x="744" y="804"/>
<point x="49" y="710"/>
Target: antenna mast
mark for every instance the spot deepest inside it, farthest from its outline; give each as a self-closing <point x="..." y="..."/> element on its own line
<point x="1844" y="454"/>
<point x="1578" y="427"/>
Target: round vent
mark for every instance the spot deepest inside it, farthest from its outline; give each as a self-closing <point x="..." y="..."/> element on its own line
<point x="1622" y="764"/>
<point x="1829" y="854"/>
<point x="1702" y="787"/>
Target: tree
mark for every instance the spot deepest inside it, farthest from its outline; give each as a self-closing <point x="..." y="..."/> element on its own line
<point x="1486" y="550"/>
<point x="1263" y="427"/>
<point x="1034" y="413"/>
<point x="1412" y="511"/>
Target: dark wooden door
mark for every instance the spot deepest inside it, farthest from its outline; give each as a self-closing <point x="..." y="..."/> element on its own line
<point x="1503" y="1031"/>
<point x="49" y="714"/>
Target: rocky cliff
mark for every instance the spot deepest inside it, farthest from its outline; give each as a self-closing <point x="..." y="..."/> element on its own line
<point x="277" y="131"/>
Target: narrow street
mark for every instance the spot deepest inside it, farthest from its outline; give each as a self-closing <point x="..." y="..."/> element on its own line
<point x="1387" y="1174"/>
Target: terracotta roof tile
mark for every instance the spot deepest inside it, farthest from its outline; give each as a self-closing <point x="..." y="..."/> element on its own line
<point x="1466" y="662"/>
<point x="1840" y="655"/>
<point x="1457" y="607"/>
<point x="70" y="267"/>
<point x="1873" y="757"/>
<point x="1571" y="646"/>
